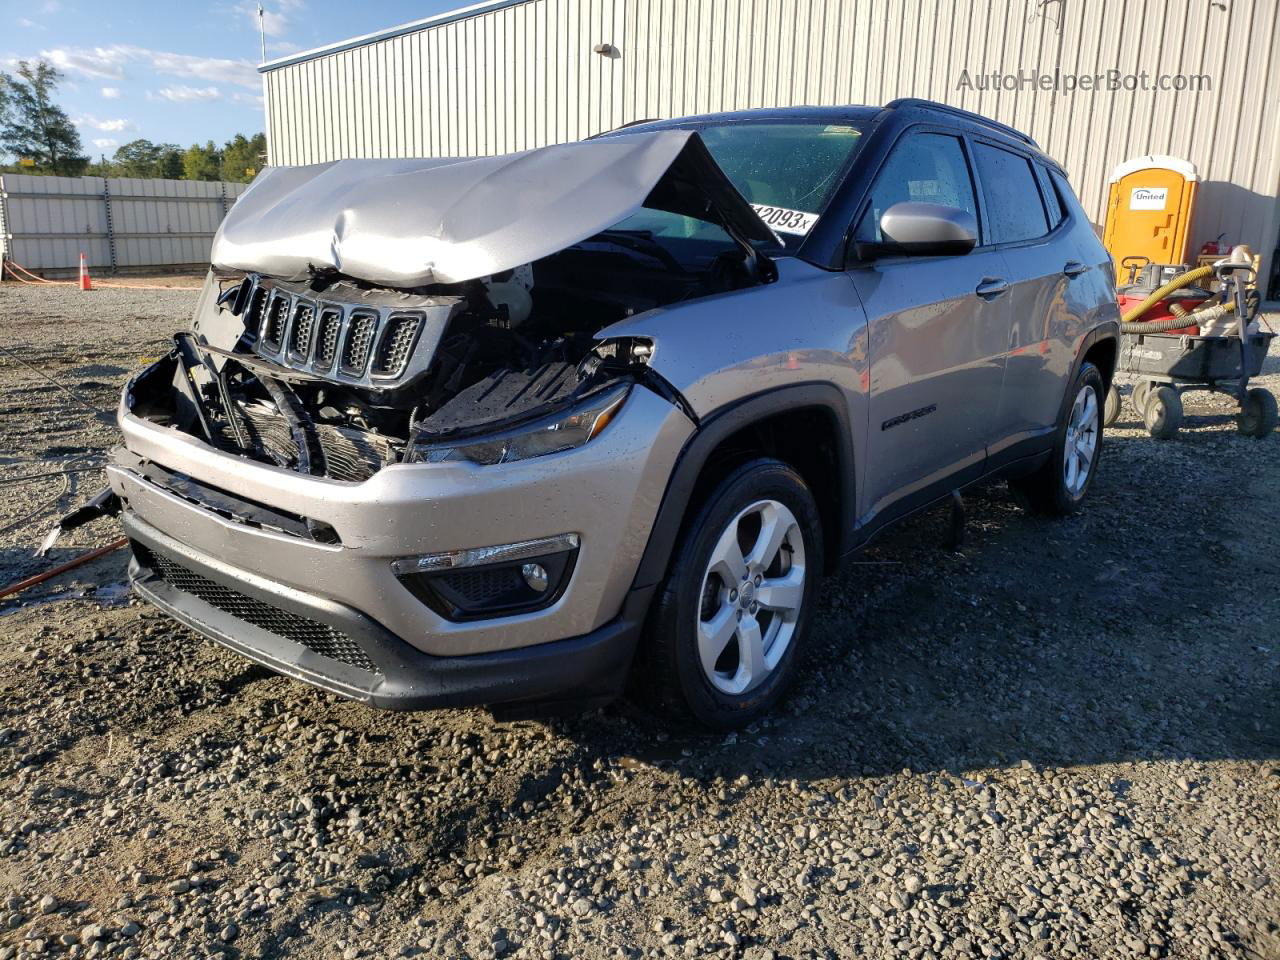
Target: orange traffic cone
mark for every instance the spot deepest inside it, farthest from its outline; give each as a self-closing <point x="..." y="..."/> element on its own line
<point x="84" y="275"/>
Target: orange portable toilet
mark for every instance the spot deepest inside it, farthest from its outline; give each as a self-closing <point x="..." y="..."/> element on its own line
<point x="1149" y="209"/>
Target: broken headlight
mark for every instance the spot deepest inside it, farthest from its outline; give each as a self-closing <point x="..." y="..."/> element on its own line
<point x="562" y="431"/>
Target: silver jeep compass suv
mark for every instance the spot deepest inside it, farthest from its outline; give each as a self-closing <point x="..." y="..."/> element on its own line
<point x="509" y="430"/>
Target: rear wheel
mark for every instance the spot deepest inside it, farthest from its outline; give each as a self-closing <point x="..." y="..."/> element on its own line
<point x="1258" y="413"/>
<point x="1162" y="413"/>
<point x="733" y="614"/>
<point x="1061" y="485"/>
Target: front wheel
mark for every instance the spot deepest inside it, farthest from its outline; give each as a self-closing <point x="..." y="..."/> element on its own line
<point x="1060" y="486"/>
<point x="732" y="616"/>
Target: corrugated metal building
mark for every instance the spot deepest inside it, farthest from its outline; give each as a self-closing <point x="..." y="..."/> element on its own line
<point x="514" y="74"/>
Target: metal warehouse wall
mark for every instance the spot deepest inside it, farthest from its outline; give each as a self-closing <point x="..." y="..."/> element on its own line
<point x="523" y="74"/>
<point x="45" y="222"/>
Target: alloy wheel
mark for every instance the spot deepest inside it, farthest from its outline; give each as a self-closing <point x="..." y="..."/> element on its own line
<point x="752" y="594"/>
<point x="1081" y="445"/>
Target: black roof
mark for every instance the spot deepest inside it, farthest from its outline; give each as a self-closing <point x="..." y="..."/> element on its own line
<point x="829" y="114"/>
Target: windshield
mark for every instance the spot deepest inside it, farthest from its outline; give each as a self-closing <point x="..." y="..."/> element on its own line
<point x="787" y="171"/>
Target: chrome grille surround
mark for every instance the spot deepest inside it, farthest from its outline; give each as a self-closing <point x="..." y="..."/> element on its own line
<point x="358" y="344"/>
<point x="271" y="335"/>
<point x="327" y="340"/>
<point x="301" y="330"/>
<point x="377" y="339"/>
<point x="396" y="344"/>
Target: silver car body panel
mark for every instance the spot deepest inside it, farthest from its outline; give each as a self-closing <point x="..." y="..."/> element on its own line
<point x="408" y="223"/>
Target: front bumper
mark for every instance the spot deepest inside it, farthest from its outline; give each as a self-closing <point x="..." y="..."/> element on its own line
<point x="608" y="492"/>
<point x="339" y="649"/>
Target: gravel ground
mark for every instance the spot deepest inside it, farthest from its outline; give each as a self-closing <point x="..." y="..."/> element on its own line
<point x="1063" y="741"/>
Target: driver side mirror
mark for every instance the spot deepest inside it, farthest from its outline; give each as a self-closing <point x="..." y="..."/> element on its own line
<point x="922" y="230"/>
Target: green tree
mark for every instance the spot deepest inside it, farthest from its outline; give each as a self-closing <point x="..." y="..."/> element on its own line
<point x="170" y="164"/>
<point x="139" y="158"/>
<point x="33" y="127"/>
<point x="243" y="157"/>
<point x="201" y="163"/>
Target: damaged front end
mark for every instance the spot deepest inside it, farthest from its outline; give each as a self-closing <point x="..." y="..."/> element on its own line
<point x="337" y="334"/>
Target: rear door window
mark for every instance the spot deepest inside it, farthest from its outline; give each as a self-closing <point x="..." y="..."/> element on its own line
<point x="924" y="168"/>
<point x="1014" y="209"/>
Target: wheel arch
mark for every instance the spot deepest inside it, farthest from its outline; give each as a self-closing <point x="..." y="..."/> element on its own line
<point x="803" y="425"/>
<point x="1100" y="346"/>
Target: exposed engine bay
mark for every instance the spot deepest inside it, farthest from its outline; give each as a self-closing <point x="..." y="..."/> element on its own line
<point x="363" y="313"/>
<point x="338" y="378"/>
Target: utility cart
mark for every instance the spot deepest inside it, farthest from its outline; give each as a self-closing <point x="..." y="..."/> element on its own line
<point x="1167" y="365"/>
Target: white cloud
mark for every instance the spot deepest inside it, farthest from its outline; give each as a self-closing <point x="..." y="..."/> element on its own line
<point x="253" y="98"/>
<point x="185" y="94"/>
<point x="111" y="93"/>
<point x="110" y="62"/>
<point x="106" y="143"/>
<point x="29" y="24"/>
<point x="106" y="126"/>
<point x="105" y="62"/>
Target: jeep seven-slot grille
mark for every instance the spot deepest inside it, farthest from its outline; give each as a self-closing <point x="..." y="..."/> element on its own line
<point x="327" y="339"/>
<point x="355" y="352"/>
<point x="317" y="637"/>
<point x="343" y="334"/>
<point x="395" y="345"/>
<point x="304" y="317"/>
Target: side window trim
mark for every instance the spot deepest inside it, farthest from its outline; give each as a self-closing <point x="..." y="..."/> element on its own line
<point x="979" y="195"/>
<point x="1046" y="190"/>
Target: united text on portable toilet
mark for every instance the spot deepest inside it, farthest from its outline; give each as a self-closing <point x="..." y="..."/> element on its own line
<point x="1149" y="209"/>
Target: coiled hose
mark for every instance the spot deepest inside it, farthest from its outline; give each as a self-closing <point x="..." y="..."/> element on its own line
<point x="1181" y="318"/>
<point x="1127" y="322"/>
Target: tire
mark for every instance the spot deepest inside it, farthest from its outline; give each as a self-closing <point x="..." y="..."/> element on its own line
<point x="1162" y="413"/>
<point x="1258" y="415"/>
<point x="698" y="606"/>
<point x="1111" y="410"/>
<point x="1057" y="488"/>
<point x="1138" y="398"/>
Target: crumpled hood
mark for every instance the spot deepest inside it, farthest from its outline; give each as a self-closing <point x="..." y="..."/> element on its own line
<point x="406" y="223"/>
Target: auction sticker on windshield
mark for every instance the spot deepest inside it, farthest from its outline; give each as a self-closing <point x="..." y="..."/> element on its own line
<point x="786" y="221"/>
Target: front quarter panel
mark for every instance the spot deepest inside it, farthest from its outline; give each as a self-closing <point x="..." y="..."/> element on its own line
<point x="807" y="327"/>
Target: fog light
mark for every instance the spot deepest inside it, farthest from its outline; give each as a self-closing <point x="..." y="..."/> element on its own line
<point x="535" y="575"/>
<point x="491" y="581"/>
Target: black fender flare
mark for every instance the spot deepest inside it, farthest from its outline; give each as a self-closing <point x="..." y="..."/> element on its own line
<point x="714" y="429"/>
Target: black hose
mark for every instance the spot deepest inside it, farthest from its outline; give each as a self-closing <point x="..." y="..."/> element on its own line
<point x="1159" y="326"/>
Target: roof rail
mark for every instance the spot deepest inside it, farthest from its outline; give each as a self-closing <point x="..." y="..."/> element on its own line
<point x="957" y="111"/>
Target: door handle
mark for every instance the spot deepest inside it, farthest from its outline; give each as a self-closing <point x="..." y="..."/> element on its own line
<point x="991" y="287"/>
<point x="1073" y="268"/>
